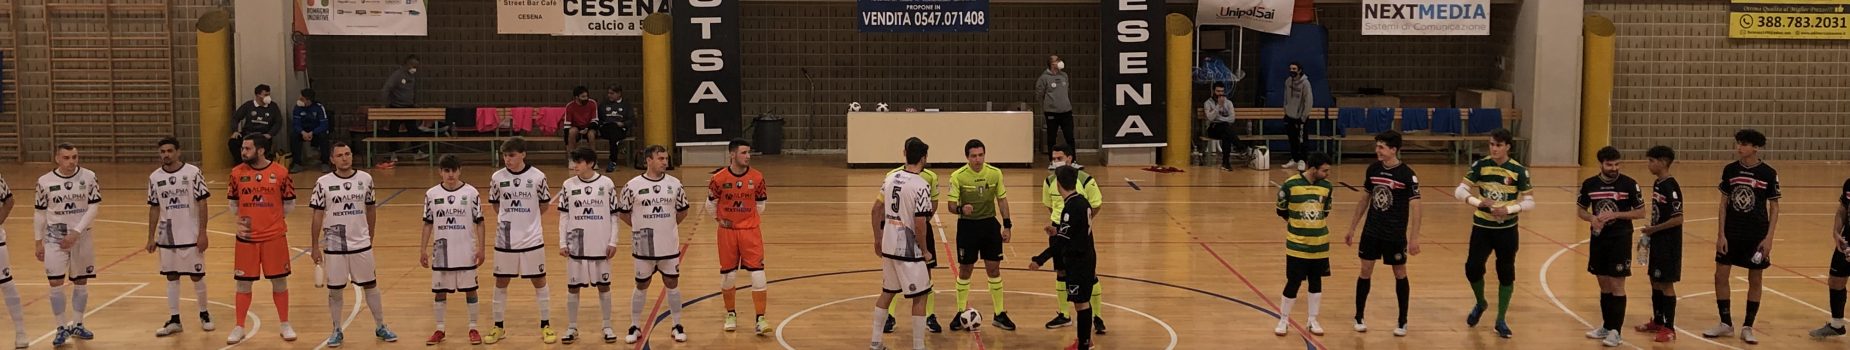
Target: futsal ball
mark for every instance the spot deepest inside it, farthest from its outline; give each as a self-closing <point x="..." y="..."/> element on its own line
<point x="971" y="319"/>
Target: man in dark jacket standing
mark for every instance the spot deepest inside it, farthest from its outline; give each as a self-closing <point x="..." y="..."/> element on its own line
<point x="259" y="116"/>
<point x="401" y="91"/>
<point x="310" y="124"/>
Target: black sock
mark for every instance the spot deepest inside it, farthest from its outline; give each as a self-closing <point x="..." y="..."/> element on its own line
<point x="1721" y="305"/>
<point x="173" y="319"/>
<point x="1618" y="312"/>
<point x="1753" y="309"/>
<point x="1605" y="310"/>
<point x="1085" y="328"/>
<point x="1657" y="307"/>
<point x="1401" y="289"/>
<point x="545" y="323"/>
<point x="1670" y="311"/>
<point x="499" y="325"/>
<point x="1362" y="285"/>
<point x="1837" y="303"/>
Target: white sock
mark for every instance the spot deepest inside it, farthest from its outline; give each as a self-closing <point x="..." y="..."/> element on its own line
<point x="636" y="301"/>
<point x="918" y="332"/>
<point x="173" y="297"/>
<point x="80" y="301"/>
<point x="603" y="306"/>
<point x="373" y="302"/>
<point x="674" y="304"/>
<point x="334" y="306"/>
<point x="1284" y="309"/>
<point x="437" y="309"/>
<point x="544" y="294"/>
<point x="879" y="324"/>
<point x="199" y="294"/>
<point x="12" y="307"/>
<point x="1316" y="301"/>
<point x="500" y="305"/>
<point x="474" y="309"/>
<point x="57" y="304"/>
<point x="1835" y="322"/>
<point x="571" y="310"/>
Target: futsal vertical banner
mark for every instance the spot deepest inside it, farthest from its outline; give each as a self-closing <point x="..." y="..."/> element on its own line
<point x="707" y="76"/>
<point x="1131" y="82"/>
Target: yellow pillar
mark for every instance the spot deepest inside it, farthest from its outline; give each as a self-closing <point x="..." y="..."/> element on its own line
<point x="215" y="96"/>
<point x="1596" y="88"/>
<point x="657" y="86"/>
<point x="1181" y="61"/>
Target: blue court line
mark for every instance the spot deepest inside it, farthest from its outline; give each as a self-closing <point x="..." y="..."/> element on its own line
<point x="1307" y="344"/>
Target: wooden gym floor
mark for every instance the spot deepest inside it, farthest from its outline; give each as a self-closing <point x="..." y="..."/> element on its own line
<point x="1189" y="261"/>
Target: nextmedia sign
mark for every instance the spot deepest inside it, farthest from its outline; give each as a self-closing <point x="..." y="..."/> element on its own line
<point x="1426" y="17"/>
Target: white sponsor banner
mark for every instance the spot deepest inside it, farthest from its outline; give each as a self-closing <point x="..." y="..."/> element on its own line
<point x="365" y="17"/>
<point x="1426" y="17"/>
<point x="608" y="17"/>
<point x="1270" y="16"/>
<point x="528" y="16"/>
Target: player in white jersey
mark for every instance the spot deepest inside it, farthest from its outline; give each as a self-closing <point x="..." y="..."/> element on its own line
<point x="653" y="205"/>
<point x="6" y="272"/>
<point x="453" y="233"/>
<point x="67" y="200"/>
<point x="342" y="238"/>
<point x="520" y="194"/>
<point x="899" y="220"/>
<point x="177" y="229"/>
<point x="587" y="238"/>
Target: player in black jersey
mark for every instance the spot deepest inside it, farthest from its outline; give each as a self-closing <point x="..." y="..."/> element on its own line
<point x="1393" y="231"/>
<point x="1610" y="201"/>
<point x="1664" y="263"/>
<point x="1749" y="214"/>
<point x="1840" y="267"/>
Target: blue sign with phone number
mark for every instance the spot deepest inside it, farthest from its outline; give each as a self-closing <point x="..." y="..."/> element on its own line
<point x="923" y="15"/>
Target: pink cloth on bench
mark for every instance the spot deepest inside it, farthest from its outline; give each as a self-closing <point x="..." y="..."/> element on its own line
<point x="487" y="119"/>
<point x="523" y="118"/>
<point x="551" y="118"/>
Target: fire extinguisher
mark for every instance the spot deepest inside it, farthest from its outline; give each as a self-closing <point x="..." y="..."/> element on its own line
<point x="301" y="51"/>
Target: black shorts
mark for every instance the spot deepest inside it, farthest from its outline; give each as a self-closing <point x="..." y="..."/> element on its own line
<point x="1300" y="268"/>
<point x="1840" y="265"/>
<point x="979" y="238"/>
<point x="1392" y="252"/>
<point x="1079" y="278"/>
<point x="1741" y="253"/>
<point x="1666" y="260"/>
<point x="1610" y="257"/>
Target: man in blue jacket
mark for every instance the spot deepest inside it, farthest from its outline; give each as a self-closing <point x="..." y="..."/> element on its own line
<point x="310" y="124"/>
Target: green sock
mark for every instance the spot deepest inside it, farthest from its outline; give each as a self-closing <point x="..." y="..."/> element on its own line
<point x="995" y="294"/>
<point x="1098" y="289"/>
<point x="1477" y="290"/>
<point x="1503" y="299"/>
<point x="892" y="310"/>
<point x="931" y="304"/>
<point x="1066" y="309"/>
<point x="963" y="294"/>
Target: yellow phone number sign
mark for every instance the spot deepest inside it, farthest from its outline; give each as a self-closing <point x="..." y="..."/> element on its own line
<point x="1792" y="19"/>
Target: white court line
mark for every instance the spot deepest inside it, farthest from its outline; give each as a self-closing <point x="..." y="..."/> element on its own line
<point x="1783" y="294"/>
<point x="87" y="313"/>
<point x="359" y="298"/>
<point x="1550" y="292"/>
<point x="786" y="344"/>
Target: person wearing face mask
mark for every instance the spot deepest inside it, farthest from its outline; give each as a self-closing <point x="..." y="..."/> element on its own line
<point x="401" y="91"/>
<point x="1219" y="114"/>
<point x="1297" y="109"/>
<point x="613" y="119"/>
<point x="1056" y="106"/>
<point x="259" y="116"/>
<point x="311" y="127"/>
<point x="580" y="118"/>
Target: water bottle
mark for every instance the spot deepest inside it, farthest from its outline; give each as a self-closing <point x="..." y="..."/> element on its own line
<point x="1644" y="251"/>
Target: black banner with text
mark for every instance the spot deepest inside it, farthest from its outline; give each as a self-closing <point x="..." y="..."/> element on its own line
<point x="1131" y="85"/>
<point x="706" y="72"/>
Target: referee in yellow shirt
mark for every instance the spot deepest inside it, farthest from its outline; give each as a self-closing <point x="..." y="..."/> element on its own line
<point x="977" y="196"/>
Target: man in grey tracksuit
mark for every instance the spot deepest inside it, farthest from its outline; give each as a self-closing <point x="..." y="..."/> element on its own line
<point x="1051" y="91"/>
<point x="401" y="91"/>
<point x="1298" y="97"/>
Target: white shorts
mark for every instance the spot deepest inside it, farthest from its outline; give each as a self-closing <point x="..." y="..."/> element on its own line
<point x="75" y="264"/>
<point x="453" y="281"/>
<point x="646" y="268"/>
<point x="6" y="265"/>
<point x="909" y="278"/>
<point x="582" y="273"/>
<point x="185" y="261"/>
<point x="355" y="267"/>
<point x="527" y="264"/>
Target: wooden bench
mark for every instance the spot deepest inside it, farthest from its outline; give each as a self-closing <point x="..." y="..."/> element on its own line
<point x="1512" y="119"/>
<point x="376" y="115"/>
